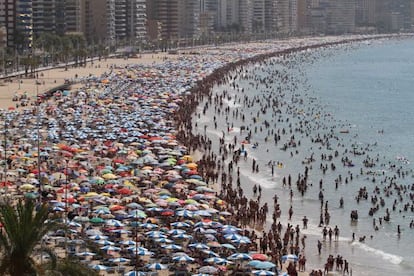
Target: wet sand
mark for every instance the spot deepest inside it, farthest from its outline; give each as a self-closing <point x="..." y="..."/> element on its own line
<point x="9" y="89"/>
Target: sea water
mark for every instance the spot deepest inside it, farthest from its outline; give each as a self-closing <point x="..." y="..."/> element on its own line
<point x="361" y="96"/>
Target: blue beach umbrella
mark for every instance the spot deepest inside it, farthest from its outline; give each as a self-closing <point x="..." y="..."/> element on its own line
<point x="148" y="225"/>
<point x="85" y="254"/>
<point x="210" y="253"/>
<point x="98" y="237"/>
<point x="261" y="265"/>
<point x="291" y="257"/>
<point x="263" y="273"/>
<point x="240" y="256"/>
<point x="183" y="258"/>
<point x="164" y="240"/>
<point x="99" y="267"/>
<point x="208" y="269"/>
<point x="119" y="260"/>
<point x="104" y="242"/>
<point x="127" y="242"/>
<point x="182" y="236"/>
<point x="156" y="266"/>
<point x="135" y="273"/>
<point x="172" y="246"/>
<point x="176" y="231"/>
<point x="199" y="246"/>
<point x="217" y="260"/>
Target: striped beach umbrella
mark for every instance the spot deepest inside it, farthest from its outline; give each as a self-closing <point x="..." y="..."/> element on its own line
<point x="263" y="273"/>
<point x="156" y="266"/>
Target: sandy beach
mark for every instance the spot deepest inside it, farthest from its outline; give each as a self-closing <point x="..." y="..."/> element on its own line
<point x="51" y="78"/>
<point x="124" y="131"/>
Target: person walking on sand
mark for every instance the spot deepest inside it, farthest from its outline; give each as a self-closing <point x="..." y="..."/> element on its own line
<point x="319" y="247"/>
<point x="290" y="212"/>
<point x="305" y="222"/>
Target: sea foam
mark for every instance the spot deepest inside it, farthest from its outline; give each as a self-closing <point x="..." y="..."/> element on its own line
<point x="394" y="259"/>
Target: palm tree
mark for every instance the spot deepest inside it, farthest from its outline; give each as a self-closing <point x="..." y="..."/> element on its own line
<point x="69" y="267"/>
<point x="24" y="225"/>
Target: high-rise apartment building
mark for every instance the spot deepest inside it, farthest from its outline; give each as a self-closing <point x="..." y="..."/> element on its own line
<point x="188" y="19"/>
<point x="8" y="20"/>
<point x="286" y="16"/>
<point x="120" y="13"/>
<point x="163" y="16"/>
<point x="208" y="17"/>
<point x="341" y="16"/>
<point x="99" y="23"/>
<point x="73" y="16"/>
<point x="246" y="15"/>
<point x="44" y="16"/>
<point x="23" y="33"/>
<point x="270" y="16"/>
<point x="136" y="21"/>
<point x="304" y="21"/>
<point x="259" y="16"/>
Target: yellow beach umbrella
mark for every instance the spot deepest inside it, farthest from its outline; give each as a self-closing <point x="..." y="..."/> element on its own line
<point x="27" y="187"/>
<point x="109" y="176"/>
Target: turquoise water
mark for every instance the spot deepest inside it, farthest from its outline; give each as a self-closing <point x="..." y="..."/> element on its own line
<point x="365" y="89"/>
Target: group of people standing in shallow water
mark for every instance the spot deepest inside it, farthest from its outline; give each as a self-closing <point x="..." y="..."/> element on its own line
<point x="296" y="119"/>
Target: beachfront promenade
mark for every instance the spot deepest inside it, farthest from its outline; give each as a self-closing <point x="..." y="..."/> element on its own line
<point x="112" y="161"/>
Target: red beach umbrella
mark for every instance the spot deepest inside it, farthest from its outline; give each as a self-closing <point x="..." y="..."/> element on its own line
<point x="259" y="257"/>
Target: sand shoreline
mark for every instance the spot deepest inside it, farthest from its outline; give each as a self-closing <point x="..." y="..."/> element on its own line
<point x="59" y="75"/>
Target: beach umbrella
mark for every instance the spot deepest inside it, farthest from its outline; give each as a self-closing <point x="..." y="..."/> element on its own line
<point x="199" y="246"/>
<point x="99" y="267"/>
<point x="58" y="209"/>
<point x="229" y="246"/>
<point x="85" y="254"/>
<point x="183" y="258"/>
<point x="98" y="237"/>
<point x="140" y="252"/>
<point x="31" y="195"/>
<point x="164" y="240"/>
<point x="104" y="242"/>
<point x="74" y="224"/>
<point x="155" y="234"/>
<point x="156" y="266"/>
<point x="96" y="220"/>
<point x="81" y="219"/>
<point x="180" y="224"/>
<point x="210" y="253"/>
<point x="259" y="256"/>
<point x="243" y="240"/>
<point x="240" y="256"/>
<point x="208" y="269"/>
<point x="127" y="242"/>
<point x="261" y="265"/>
<point x="263" y="273"/>
<point x="110" y="248"/>
<point x="27" y="187"/>
<point x="119" y="260"/>
<point x="137" y="214"/>
<point x="148" y="225"/>
<point x="134" y="205"/>
<point x="135" y="273"/>
<point x="233" y="236"/>
<point x="172" y="246"/>
<point x="182" y="236"/>
<point x="176" y="231"/>
<point x="290" y="257"/>
<point x="121" y="231"/>
<point x="230" y="228"/>
<point x="114" y="222"/>
<point x="217" y="260"/>
<point x="185" y="213"/>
